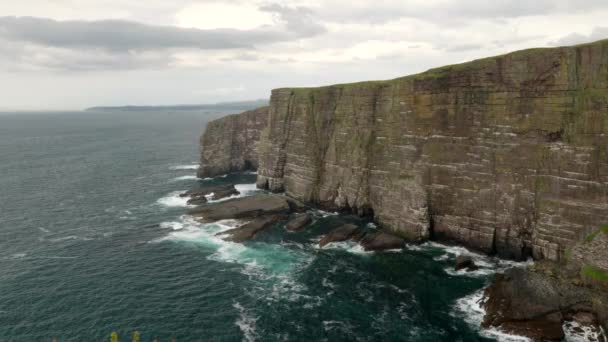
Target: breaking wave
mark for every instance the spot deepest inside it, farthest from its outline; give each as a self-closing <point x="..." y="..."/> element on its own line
<point x="471" y="310"/>
<point x="173" y="200"/>
<point x="184" y="167"/>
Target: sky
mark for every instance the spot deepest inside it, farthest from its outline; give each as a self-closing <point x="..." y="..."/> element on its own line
<point x="72" y="54"/>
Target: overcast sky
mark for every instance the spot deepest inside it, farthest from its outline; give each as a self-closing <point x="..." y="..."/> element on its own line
<point x="71" y="54"/>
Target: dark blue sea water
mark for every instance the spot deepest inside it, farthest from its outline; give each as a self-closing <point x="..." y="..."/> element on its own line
<point x="93" y="239"/>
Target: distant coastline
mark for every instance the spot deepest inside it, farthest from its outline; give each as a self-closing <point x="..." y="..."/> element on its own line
<point x="190" y="107"/>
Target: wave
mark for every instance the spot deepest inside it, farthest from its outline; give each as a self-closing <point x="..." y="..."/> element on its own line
<point x="246" y="323"/>
<point x="488" y="265"/>
<point x="183" y="178"/>
<point x="70" y="237"/>
<point x="348" y="246"/>
<point x="576" y="332"/>
<point x="173" y="200"/>
<point x="471" y="308"/>
<point x="243" y="189"/>
<point x="185" y="167"/>
<point x="272" y="267"/>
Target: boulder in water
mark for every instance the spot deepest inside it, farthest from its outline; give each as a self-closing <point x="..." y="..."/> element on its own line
<point x="298" y="222"/>
<point x="341" y="233"/>
<point x="242" y="208"/>
<point x="465" y="262"/>
<point x="199" y="196"/>
<point x="381" y="241"/>
<point x="249" y="230"/>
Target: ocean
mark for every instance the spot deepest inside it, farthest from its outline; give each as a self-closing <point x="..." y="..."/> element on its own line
<point x="94" y="239"/>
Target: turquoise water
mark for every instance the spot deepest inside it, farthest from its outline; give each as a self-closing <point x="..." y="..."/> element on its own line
<point x="93" y="239"/>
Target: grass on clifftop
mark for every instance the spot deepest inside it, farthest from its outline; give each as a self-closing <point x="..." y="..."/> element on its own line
<point x="445" y="70"/>
<point x="595" y="273"/>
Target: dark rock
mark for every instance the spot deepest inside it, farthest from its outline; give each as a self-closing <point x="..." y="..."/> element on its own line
<point x="198" y="196"/>
<point x="381" y="241"/>
<point x="299" y="222"/>
<point x="296" y="206"/>
<point x="197" y="200"/>
<point x="249" y="230"/>
<point x="533" y="305"/>
<point x="245" y="207"/>
<point x="341" y="233"/>
<point x="465" y="262"/>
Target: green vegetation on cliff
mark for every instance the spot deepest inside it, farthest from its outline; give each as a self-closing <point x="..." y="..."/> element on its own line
<point x="447" y="70"/>
<point x="595" y="273"/>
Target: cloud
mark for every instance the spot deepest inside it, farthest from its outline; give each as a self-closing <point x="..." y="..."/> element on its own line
<point x="598" y="33"/>
<point x="463" y="47"/>
<point x="122" y="35"/>
<point x="446" y="12"/>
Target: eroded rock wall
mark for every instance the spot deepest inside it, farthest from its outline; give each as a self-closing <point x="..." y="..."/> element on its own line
<point x="229" y="144"/>
<point x="506" y="155"/>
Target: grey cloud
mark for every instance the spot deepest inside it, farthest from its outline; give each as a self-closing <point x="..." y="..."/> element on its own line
<point x="121" y="35"/>
<point x="298" y="19"/>
<point x="451" y="12"/>
<point x="42" y="43"/>
<point x="598" y="33"/>
<point x="243" y="56"/>
<point x="463" y="47"/>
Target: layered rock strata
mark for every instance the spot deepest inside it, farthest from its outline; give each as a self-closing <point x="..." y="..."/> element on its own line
<point x="229" y="144"/>
<point x="507" y="155"/>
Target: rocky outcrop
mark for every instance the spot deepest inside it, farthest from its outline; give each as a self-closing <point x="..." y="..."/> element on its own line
<point x="249" y="230"/>
<point x="464" y="262"/>
<point x="241" y="208"/>
<point x="507" y="155"/>
<point x="342" y="233"/>
<point x="537" y="305"/>
<point x="229" y="144"/>
<point x="298" y="222"/>
<point x="381" y="241"/>
<point x="202" y="195"/>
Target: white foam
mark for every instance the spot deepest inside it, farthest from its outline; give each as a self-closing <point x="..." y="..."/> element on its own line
<point x="576" y="332"/>
<point x="471" y="307"/>
<point x="44" y="230"/>
<point x="243" y="189"/>
<point x="184" y="167"/>
<point x="246" y="323"/>
<point x="348" y="246"/>
<point x="183" y="178"/>
<point x="324" y="213"/>
<point x="173" y="200"/>
<point x="487" y="265"/>
<point x="70" y="237"/>
<point x="172" y="225"/>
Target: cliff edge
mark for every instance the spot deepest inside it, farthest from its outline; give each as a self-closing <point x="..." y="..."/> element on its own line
<point x="229" y="144"/>
<point x="507" y="155"/>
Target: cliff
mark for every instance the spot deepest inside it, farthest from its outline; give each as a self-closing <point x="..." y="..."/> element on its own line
<point x="508" y="155"/>
<point x="229" y="144"/>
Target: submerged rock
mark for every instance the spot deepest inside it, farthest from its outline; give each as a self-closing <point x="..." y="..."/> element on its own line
<point x="299" y="222"/>
<point x="245" y="207"/>
<point x="199" y="196"/>
<point x="249" y="230"/>
<point x="381" y="241"/>
<point x="465" y="262"/>
<point x="341" y="233"/>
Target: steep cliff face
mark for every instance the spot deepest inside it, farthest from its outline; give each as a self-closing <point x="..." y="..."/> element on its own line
<point x="229" y="144"/>
<point x="507" y="155"/>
